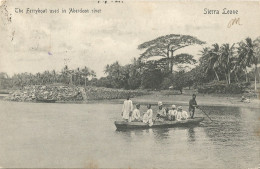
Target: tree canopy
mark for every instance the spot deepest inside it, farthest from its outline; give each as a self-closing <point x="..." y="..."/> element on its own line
<point x="165" y="46"/>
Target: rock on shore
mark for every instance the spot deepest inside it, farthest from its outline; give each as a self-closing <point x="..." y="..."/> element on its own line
<point x="68" y="93"/>
<point x="42" y="92"/>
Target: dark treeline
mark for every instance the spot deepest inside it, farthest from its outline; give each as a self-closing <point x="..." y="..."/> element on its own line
<point x="79" y="76"/>
<point x="225" y="64"/>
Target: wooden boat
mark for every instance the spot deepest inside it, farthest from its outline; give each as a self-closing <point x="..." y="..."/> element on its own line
<point x="123" y="125"/>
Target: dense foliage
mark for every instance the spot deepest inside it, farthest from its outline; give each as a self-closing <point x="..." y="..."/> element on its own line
<point x="66" y="76"/>
<point x="222" y="87"/>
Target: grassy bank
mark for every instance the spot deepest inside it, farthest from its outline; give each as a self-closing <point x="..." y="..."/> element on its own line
<point x="101" y="93"/>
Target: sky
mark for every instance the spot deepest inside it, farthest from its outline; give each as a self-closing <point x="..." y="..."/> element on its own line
<point x="38" y="42"/>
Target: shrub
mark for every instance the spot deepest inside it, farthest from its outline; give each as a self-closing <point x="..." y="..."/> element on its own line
<point x="222" y="87"/>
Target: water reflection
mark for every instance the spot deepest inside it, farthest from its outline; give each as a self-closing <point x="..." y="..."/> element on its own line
<point x="161" y="133"/>
<point x="191" y="135"/>
<point x="226" y="125"/>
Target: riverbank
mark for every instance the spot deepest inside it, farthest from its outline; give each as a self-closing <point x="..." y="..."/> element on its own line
<point x="203" y="100"/>
<point x="74" y="94"/>
<point x="183" y="100"/>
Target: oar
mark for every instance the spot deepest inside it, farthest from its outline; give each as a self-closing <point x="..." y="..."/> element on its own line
<point x="205" y="114"/>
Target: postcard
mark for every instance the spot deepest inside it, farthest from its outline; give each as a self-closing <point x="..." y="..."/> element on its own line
<point x="129" y="84"/>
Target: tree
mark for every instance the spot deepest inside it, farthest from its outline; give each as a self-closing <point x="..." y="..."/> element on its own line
<point x="135" y="73"/>
<point x="257" y="53"/>
<point x="4" y="80"/>
<point x="65" y="75"/>
<point x="128" y="76"/>
<point x="219" y="59"/>
<point x="227" y="60"/>
<point x="165" y="46"/>
<point x="179" y="81"/>
<point x="86" y="73"/>
<point x="248" y="53"/>
<point x="210" y="59"/>
<point x="152" y="76"/>
<point x="115" y="74"/>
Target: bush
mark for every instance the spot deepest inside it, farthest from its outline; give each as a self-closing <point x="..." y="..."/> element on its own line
<point x="99" y="93"/>
<point x="222" y="87"/>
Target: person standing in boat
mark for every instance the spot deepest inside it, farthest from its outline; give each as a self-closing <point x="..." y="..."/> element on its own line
<point x="192" y="105"/>
<point x="161" y="113"/>
<point x="127" y="109"/>
<point x="148" y="116"/>
<point x="136" y="116"/>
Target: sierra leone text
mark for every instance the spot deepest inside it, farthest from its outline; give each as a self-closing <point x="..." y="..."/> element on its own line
<point x="223" y="11"/>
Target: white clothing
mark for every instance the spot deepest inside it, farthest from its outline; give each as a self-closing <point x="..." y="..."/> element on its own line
<point x="145" y="118"/>
<point x="182" y="115"/>
<point x="162" y="112"/>
<point x="127" y="108"/>
<point x="172" y="112"/>
<point x="148" y="117"/>
<point x="136" y="114"/>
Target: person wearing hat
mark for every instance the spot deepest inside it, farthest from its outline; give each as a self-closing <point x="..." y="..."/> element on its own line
<point x="161" y="113"/>
<point x="181" y="115"/>
<point x="136" y="114"/>
<point x="172" y="113"/>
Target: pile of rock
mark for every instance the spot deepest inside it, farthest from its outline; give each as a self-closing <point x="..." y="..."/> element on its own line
<point x="69" y="93"/>
<point x="42" y="92"/>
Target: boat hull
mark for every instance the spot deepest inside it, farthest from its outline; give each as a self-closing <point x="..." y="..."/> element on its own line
<point x="123" y="125"/>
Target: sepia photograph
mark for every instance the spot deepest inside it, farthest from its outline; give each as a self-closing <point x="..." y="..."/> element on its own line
<point x="130" y="84"/>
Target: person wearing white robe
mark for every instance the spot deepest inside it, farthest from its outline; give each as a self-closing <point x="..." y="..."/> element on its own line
<point x="181" y="115"/>
<point x="172" y="113"/>
<point x="127" y="109"/>
<point x="136" y="116"/>
<point x="161" y="113"/>
<point x="148" y="116"/>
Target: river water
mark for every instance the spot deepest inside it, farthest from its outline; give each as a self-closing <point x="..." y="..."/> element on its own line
<point x="46" y="135"/>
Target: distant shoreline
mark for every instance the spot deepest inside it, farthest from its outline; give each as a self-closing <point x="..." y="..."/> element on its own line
<point x="182" y="100"/>
<point x="201" y="101"/>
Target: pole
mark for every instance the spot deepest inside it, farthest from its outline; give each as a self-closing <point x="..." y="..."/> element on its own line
<point x="206" y="114"/>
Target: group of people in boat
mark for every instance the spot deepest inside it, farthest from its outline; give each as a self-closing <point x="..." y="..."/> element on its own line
<point x="163" y="114"/>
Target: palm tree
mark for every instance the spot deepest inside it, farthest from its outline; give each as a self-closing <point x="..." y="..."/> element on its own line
<point x="226" y="60"/>
<point x="257" y="53"/>
<point x="236" y="69"/>
<point x="54" y="76"/>
<point x="241" y="60"/>
<point x="38" y="78"/>
<point x="65" y="75"/>
<point x="210" y="57"/>
<point x="247" y="54"/>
